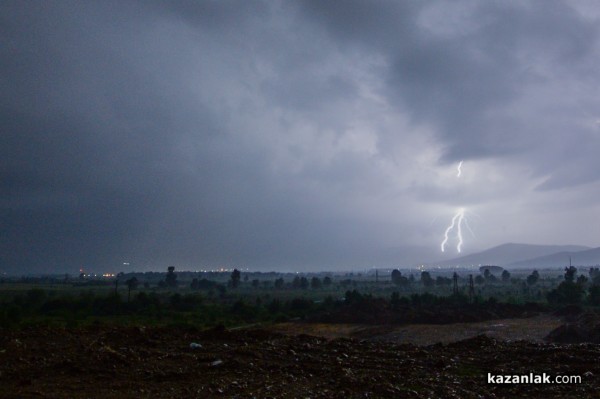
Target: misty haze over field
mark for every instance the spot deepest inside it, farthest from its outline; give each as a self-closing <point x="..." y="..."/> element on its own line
<point x="298" y="135"/>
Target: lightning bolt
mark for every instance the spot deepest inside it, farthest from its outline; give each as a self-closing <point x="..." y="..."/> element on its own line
<point x="469" y="227"/>
<point x="461" y="217"/>
<point x="457" y="222"/>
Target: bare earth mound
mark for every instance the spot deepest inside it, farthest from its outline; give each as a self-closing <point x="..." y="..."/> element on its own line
<point x="109" y="362"/>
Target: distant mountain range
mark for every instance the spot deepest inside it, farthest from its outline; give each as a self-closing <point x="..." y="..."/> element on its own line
<point x="527" y="255"/>
<point x="559" y="259"/>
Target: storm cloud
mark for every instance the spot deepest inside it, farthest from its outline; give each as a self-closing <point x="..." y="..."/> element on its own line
<point x="292" y="135"/>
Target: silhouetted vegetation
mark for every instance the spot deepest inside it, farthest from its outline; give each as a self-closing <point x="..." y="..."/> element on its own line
<point x="229" y="299"/>
<point x="235" y="278"/>
<point x="569" y="292"/>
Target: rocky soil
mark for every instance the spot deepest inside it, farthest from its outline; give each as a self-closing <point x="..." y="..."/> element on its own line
<point x="581" y="328"/>
<point x="111" y="362"/>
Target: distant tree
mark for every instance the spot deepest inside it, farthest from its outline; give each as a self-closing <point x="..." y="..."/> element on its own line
<point x="296" y="282"/>
<point x="304" y="283"/>
<point x="347" y="282"/>
<point x="533" y="278"/>
<point x="570" y="273"/>
<point x="396" y="276"/>
<point x="582" y="280"/>
<point x="132" y="284"/>
<point x="595" y="275"/>
<point x="505" y="276"/>
<point x="246" y="278"/>
<point x="274" y="306"/>
<point x="353" y="297"/>
<point x="315" y="283"/>
<point x="479" y="280"/>
<point x="234" y="282"/>
<point x="171" y="278"/>
<point x="567" y="292"/>
<point x="455" y="284"/>
<point x="426" y="279"/>
<point x="441" y="281"/>
<point x="487" y="274"/>
<point x="203" y="284"/>
<point x="279" y="283"/>
<point x="255" y="283"/>
<point x="327" y="281"/>
<point x="403" y="281"/>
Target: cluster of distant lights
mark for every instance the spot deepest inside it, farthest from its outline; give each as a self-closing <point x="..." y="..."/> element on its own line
<point x="218" y="270"/>
<point x="423" y="268"/>
<point x="98" y="275"/>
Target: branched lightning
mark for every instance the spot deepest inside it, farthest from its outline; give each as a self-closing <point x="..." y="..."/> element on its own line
<point x="457" y="221"/>
<point x="468" y="227"/>
<point x="459" y="229"/>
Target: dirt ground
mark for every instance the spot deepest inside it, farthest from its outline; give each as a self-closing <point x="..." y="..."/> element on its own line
<point x="120" y="362"/>
<point x="532" y="329"/>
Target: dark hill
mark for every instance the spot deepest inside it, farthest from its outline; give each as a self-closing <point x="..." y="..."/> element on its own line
<point x="510" y="254"/>
<point x="588" y="257"/>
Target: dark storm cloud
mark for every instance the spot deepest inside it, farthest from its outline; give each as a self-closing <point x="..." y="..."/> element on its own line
<point x="275" y="134"/>
<point x="87" y="156"/>
<point x="110" y="156"/>
<point x="461" y="81"/>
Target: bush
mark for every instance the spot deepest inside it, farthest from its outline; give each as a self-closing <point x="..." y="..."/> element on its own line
<point x="594" y="298"/>
<point x="566" y="293"/>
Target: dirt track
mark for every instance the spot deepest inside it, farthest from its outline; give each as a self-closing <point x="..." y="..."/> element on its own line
<point x="105" y="362"/>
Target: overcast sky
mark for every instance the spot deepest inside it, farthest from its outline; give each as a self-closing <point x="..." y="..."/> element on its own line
<point x="298" y="135"/>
